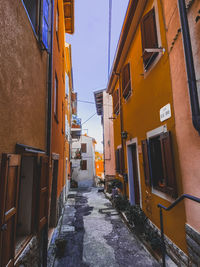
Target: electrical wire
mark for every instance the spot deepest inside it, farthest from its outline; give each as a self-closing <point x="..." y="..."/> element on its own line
<point x="88" y="102"/>
<point x="92" y="103"/>
<point x="89" y="118"/>
<point x="109" y="35"/>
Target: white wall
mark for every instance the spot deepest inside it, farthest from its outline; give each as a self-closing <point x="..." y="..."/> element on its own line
<point x="84" y="178"/>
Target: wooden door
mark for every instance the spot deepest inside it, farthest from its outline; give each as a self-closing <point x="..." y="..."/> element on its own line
<point x="135" y="175"/>
<point x="43" y="205"/>
<point x="9" y="188"/>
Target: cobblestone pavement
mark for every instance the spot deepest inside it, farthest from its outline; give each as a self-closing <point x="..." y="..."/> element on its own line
<point x="92" y="234"/>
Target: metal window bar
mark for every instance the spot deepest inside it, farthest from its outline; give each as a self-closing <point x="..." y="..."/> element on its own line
<point x="128" y="83"/>
<point x="196" y="199"/>
<point x="153" y="51"/>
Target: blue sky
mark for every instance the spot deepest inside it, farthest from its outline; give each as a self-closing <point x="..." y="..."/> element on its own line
<point x="90" y="55"/>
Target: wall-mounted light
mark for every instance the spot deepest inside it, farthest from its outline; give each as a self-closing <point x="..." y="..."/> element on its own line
<point x="124" y="135"/>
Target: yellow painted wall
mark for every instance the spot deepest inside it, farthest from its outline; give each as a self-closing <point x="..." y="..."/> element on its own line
<point x="141" y="114"/>
<point x="58" y="137"/>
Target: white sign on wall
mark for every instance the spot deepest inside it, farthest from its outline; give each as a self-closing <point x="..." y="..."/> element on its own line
<point x="165" y="112"/>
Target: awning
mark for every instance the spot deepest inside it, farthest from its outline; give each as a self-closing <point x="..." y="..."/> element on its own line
<point x="24" y="148"/>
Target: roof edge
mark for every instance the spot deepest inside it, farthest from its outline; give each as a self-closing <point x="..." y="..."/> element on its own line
<point x="134" y="12"/>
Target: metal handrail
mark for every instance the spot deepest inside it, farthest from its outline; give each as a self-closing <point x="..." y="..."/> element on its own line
<point x="196" y="199"/>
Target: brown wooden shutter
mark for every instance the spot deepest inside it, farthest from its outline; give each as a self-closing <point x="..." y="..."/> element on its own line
<point x="84" y="165"/>
<point x="83" y="148"/>
<point x="120" y="161"/>
<point x="146" y="162"/>
<point x="43" y="192"/>
<point x="149" y="34"/>
<point x="9" y="191"/>
<point x="116" y="101"/>
<point x="168" y="164"/>
<point x="126" y="81"/>
<point x="117" y="160"/>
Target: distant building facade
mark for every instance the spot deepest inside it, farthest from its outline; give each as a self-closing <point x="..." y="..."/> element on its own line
<point x="104" y="107"/>
<point x="83" y="161"/>
<point x="99" y="165"/>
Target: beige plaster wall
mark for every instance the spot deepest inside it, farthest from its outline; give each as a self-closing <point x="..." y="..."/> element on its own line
<point x="108" y="135"/>
<point x="23" y="80"/>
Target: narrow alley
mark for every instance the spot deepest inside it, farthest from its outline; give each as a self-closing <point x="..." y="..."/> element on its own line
<point x="91" y="233"/>
<point x="100" y="133"/>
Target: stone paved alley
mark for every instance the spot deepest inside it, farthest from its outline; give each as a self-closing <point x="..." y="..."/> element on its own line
<point x="94" y="235"/>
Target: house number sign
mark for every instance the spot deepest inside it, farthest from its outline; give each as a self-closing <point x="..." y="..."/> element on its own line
<point x="165" y="112"/>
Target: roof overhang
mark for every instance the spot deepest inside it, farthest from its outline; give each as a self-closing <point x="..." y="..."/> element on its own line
<point x="21" y="148"/>
<point x="132" y="19"/>
<point x="98" y="96"/>
<point x="69" y="15"/>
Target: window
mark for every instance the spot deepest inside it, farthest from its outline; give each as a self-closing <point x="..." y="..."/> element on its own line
<point x="118" y="160"/>
<point x="56" y="97"/>
<point x="63" y="118"/>
<point x="116" y="102"/>
<point x="84" y="165"/>
<point x="83" y="148"/>
<point x="159" y="164"/>
<point x="149" y="38"/>
<point x="32" y="10"/>
<point x="45" y="23"/>
<point x="40" y="19"/>
<point x="57" y="25"/>
<point x="126" y="81"/>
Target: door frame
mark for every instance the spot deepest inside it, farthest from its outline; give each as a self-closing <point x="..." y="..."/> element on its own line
<point x="129" y="143"/>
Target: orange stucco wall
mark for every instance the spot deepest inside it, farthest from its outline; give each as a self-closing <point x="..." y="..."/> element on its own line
<point x="150" y="92"/>
<point x="187" y="137"/>
<point x="23" y="81"/>
<point x="68" y="72"/>
<point x="99" y="164"/>
<point x="58" y="135"/>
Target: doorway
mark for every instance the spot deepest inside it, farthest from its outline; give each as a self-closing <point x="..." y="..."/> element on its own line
<point x="53" y="207"/>
<point x="25" y="223"/>
<point x="133" y="174"/>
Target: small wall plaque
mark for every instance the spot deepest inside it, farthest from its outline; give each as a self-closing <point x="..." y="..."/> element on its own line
<point x="165" y="112"/>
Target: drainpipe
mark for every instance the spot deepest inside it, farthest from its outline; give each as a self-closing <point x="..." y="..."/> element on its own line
<point x="122" y="129"/>
<point x="190" y="66"/>
<point x="49" y="116"/>
<point x="50" y="85"/>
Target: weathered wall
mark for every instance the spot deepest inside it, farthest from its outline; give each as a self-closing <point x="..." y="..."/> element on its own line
<point x="58" y="136"/>
<point x="150" y="92"/>
<point x="108" y="135"/>
<point x="23" y="80"/>
<point x="187" y="137"/>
